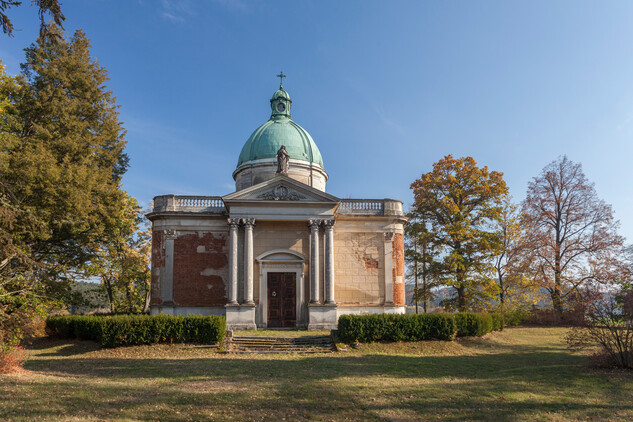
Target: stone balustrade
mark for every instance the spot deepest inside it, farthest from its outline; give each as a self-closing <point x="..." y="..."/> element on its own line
<point x="182" y="203"/>
<point x="214" y="205"/>
<point x="370" y="207"/>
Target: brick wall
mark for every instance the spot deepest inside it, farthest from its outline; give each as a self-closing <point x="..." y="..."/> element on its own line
<point x="201" y="269"/>
<point x="398" y="270"/>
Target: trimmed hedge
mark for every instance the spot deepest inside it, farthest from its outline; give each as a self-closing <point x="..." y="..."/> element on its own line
<point x="470" y="324"/>
<point x="390" y="327"/>
<point x="498" y="321"/>
<point x="129" y="330"/>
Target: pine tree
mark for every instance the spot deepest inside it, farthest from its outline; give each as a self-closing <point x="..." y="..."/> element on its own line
<point x="61" y="162"/>
<point x="67" y="165"/>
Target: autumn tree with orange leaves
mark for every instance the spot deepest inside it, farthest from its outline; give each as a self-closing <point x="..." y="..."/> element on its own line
<point x="571" y="233"/>
<point x="462" y="204"/>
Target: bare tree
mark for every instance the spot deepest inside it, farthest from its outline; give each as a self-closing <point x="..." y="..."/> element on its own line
<point x="571" y="233"/>
<point x="419" y="253"/>
<point x="514" y="288"/>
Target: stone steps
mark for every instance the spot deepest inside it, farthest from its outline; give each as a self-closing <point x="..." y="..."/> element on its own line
<point x="307" y="344"/>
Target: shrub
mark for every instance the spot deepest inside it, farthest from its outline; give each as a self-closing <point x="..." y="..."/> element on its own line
<point x="128" y="330"/>
<point x="61" y="325"/>
<point x="514" y="317"/>
<point x="385" y="327"/>
<point x="497" y="322"/>
<point x="609" y="325"/>
<point x="471" y="324"/>
<point x="11" y="358"/>
<point x="88" y="327"/>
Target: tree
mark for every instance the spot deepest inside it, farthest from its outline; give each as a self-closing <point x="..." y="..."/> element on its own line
<point x="61" y="162"/>
<point x="514" y="286"/>
<point x="462" y="203"/>
<point x="418" y="255"/>
<point x="45" y="7"/>
<point x="123" y="262"/>
<point x="571" y="232"/>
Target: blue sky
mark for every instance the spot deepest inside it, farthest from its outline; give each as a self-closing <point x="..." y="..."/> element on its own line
<point x="384" y="88"/>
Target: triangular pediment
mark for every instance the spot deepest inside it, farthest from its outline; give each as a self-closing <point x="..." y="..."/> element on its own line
<point x="281" y="188"/>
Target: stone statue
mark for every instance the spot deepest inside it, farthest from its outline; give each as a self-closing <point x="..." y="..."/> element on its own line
<point x="282" y="160"/>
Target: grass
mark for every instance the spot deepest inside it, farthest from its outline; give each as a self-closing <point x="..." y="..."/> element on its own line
<point x="517" y="374"/>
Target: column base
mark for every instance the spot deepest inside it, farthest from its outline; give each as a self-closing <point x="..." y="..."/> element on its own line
<point x="322" y="317"/>
<point x="240" y="317"/>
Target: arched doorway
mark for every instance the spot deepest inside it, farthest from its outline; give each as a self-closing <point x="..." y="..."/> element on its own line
<point x="282" y="302"/>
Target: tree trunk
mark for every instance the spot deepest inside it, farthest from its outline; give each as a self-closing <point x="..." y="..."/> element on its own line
<point x="415" y="248"/>
<point x="424" y="276"/>
<point x="557" y="301"/>
<point x="501" y="292"/>
<point x="461" y="298"/>
<point x="147" y="301"/>
<point x="108" y="286"/>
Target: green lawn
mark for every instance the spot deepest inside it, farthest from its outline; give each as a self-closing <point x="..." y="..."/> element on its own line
<point x="518" y="374"/>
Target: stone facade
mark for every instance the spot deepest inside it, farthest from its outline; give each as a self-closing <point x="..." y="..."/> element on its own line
<point x="347" y="255"/>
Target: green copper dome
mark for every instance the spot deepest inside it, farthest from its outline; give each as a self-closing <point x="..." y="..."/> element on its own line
<point x="280" y="130"/>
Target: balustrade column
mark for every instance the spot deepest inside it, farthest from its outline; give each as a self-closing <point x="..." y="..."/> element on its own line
<point x="248" y="260"/>
<point x="329" y="261"/>
<point x="314" y="260"/>
<point x="233" y="228"/>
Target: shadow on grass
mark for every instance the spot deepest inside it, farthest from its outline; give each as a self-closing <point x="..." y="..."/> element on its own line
<point x="55" y="346"/>
<point x="505" y="386"/>
<point x="497" y="380"/>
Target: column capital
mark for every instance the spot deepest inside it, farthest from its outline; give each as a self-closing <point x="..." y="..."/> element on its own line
<point x="233" y="222"/>
<point x="389" y="236"/>
<point x="170" y="234"/>
<point x="248" y="222"/>
<point x="328" y="224"/>
<point x="314" y="224"/>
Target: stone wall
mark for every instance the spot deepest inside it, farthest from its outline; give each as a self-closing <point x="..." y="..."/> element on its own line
<point x="359" y="267"/>
<point x="270" y="235"/>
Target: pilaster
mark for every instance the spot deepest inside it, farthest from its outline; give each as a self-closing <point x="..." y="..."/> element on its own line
<point x="328" y="225"/>
<point x="314" y="261"/>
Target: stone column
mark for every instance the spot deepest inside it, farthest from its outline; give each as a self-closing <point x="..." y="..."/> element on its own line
<point x="167" y="279"/>
<point x="248" y="260"/>
<point x="329" y="262"/>
<point x="233" y="228"/>
<point x="388" y="268"/>
<point x="314" y="260"/>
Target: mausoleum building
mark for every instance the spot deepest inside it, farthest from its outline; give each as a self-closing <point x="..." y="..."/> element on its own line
<point x="279" y="251"/>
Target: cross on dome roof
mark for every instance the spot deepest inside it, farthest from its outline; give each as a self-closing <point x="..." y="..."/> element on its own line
<point x="281" y="77"/>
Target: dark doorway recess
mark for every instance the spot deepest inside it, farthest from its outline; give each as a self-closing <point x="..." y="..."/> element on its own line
<point x="282" y="300"/>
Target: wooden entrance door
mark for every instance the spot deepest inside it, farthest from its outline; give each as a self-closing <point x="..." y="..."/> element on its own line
<point x="282" y="300"/>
